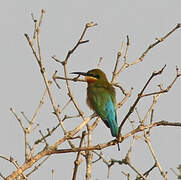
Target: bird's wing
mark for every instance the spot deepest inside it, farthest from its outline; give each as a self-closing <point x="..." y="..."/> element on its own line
<point x="110" y="111"/>
<point x="103" y="105"/>
<point x="106" y="110"/>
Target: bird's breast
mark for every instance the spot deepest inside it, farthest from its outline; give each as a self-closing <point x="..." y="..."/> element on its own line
<point x="89" y="103"/>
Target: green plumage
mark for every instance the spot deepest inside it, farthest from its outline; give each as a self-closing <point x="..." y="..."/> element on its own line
<point x="101" y="98"/>
<point x="97" y="94"/>
<point x="97" y="97"/>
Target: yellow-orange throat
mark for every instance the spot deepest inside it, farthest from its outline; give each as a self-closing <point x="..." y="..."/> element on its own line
<point x="90" y="79"/>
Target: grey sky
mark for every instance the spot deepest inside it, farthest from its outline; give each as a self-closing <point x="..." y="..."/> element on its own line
<point x="22" y="85"/>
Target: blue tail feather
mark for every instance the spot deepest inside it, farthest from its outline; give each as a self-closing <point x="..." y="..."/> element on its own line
<point x="111" y="117"/>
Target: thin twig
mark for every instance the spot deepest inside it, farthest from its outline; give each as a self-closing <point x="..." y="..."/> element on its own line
<point x="155" y="99"/>
<point x="78" y="161"/>
<point x="52" y="149"/>
<point x="18" y="118"/>
<point x="38" y="108"/>
<point x="126" y="52"/>
<point x="141" y="58"/>
<point x="168" y="88"/>
<point x="128" y="95"/>
<point x="2" y="176"/>
<point x="38" y="57"/>
<point x="149" y="170"/>
<point x="138" y="99"/>
<point x="99" y="63"/>
<point x="50" y="132"/>
<point x="164" y="174"/>
<point x="119" y="54"/>
<point x="15" y="163"/>
<point x="159" y="40"/>
<point x="89" y="154"/>
<point x="38" y="166"/>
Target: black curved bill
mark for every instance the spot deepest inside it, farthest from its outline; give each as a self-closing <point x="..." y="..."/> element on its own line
<point x="80" y="73"/>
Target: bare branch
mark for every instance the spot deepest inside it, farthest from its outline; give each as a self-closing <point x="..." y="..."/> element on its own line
<point x="43" y="72"/>
<point x="38" y="166"/>
<point x="155" y="98"/>
<point x="50" y="132"/>
<point x="88" y="148"/>
<point x="158" y="41"/>
<point x="80" y="41"/>
<point x="78" y="161"/>
<point x="126" y="52"/>
<point x="164" y="174"/>
<point x="128" y="95"/>
<point x="38" y="108"/>
<point x="49" y="150"/>
<point x="89" y="154"/>
<point x="15" y="163"/>
<point x="99" y="63"/>
<point x="18" y="118"/>
<point x="168" y="88"/>
<point x="2" y="176"/>
<point x="119" y="54"/>
<point x="138" y="98"/>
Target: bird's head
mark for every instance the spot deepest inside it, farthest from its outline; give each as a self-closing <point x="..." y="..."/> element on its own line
<point x="92" y="76"/>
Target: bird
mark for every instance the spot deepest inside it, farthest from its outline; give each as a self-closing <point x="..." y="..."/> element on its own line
<point x="101" y="98"/>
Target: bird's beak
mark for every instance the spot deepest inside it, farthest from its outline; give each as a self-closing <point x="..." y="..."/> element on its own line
<point x="88" y="77"/>
<point x="80" y="73"/>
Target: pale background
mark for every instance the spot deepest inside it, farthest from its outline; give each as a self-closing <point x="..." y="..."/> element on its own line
<point x="22" y="85"/>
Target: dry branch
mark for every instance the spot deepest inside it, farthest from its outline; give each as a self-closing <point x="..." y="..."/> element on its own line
<point x="87" y="150"/>
<point x="138" y="99"/>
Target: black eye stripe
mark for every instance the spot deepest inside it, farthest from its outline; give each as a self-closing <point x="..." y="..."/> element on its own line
<point x="97" y="76"/>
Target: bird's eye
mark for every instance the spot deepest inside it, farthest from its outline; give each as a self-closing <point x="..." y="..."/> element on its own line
<point x="97" y="76"/>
